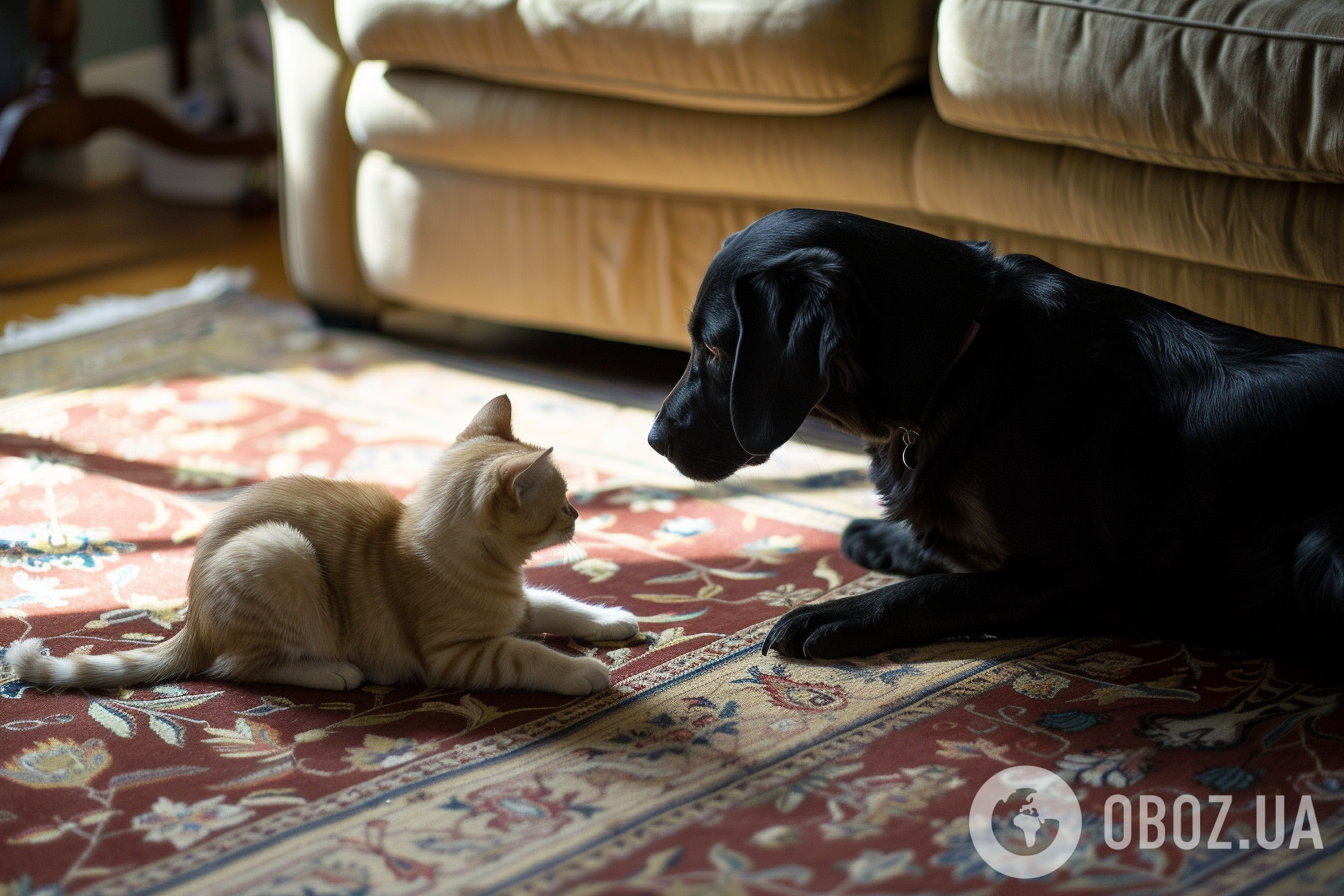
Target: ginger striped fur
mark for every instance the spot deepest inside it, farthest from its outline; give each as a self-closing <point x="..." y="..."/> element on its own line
<point x="329" y="584"/>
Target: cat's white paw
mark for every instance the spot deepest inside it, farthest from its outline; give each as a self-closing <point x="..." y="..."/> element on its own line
<point x="583" y="675"/>
<point x="349" y="675"/>
<point x="614" y="624"/>
<point x="326" y="675"/>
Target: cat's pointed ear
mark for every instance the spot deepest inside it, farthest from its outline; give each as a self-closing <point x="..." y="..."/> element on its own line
<point x="525" y="473"/>
<point x="495" y="419"/>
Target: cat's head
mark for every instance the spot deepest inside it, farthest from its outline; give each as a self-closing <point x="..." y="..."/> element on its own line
<point x="506" y="489"/>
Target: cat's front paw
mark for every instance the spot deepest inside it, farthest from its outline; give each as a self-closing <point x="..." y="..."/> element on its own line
<point x="344" y="676"/>
<point x="614" y="624"/>
<point x="583" y="675"/>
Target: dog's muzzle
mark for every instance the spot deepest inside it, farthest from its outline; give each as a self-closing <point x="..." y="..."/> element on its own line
<point x="701" y="462"/>
<point x="660" y="438"/>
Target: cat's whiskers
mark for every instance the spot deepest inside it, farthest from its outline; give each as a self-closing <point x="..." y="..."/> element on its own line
<point x="570" y="552"/>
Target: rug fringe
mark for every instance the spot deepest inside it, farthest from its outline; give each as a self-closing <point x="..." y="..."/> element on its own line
<point x="105" y="339"/>
<point x="96" y="313"/>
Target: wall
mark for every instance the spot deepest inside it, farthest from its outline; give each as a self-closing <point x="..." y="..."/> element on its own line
<point x="107" y="27"/>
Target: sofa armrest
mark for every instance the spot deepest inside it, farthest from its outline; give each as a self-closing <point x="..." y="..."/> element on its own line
<point x="317" y="158"/>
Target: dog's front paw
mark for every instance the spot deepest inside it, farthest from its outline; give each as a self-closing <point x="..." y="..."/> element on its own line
<point x="887" y="547"/>
<point x="583" y="675"/>
<point x="851" y="626"/>
<point x="614" y="624"/>
<point x="807" y="633"/>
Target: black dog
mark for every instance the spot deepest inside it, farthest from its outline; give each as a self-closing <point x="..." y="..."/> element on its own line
<point x="1056" y="455"/>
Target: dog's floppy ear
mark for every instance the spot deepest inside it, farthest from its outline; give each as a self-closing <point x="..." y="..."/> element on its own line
<point x="787" y="334"/>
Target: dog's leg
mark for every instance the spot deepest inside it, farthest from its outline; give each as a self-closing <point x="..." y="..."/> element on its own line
<point x="1002" y="602"/>
<point x="890" y="548"/>
<point x="1318" y="586"/>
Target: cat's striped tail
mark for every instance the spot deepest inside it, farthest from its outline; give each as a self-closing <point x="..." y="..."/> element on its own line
<point x="143" y="665"/>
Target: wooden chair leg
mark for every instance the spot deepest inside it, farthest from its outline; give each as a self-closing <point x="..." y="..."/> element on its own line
<point x="54" y="113"/>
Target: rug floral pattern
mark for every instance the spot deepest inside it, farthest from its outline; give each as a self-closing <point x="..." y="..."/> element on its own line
<point x="707" y="768"/>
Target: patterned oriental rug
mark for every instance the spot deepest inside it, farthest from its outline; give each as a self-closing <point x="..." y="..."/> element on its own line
<point x="706" y="769"/>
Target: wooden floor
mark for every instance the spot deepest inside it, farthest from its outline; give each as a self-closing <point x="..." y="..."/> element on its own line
<point x="57" y="246"/>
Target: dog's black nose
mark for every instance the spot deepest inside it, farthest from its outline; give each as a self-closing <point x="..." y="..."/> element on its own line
<point x="660" y="439"/>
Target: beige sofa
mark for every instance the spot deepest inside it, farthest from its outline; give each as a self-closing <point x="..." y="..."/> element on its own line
<point x="574" y="164"/>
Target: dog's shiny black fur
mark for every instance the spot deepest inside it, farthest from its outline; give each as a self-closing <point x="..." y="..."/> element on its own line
<point x="1094" y="460"/>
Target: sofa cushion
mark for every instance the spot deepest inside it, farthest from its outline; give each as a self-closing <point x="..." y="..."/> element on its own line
<point x="860" y="156"/>
<point x="627" y="264"/>
<point x="795" y="57"/>
<point x="1280" y="228"/>
<point x="1253" y="87"/>
<point x="893" y="154"/>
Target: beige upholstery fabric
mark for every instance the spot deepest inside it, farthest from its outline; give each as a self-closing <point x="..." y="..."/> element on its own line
<point x="894" y="154"/>
<point x="1251" y="87"/>
<point x="580" y="209"/>
<point x="624" y="266"/>
<point x="861" y="156"/>
<point x="1268" y="304"/>
<point x="627" y="265"/>
<point x="1271" y="227"/>
<point x="787" y="57"/>
<point x="317" y="157"/>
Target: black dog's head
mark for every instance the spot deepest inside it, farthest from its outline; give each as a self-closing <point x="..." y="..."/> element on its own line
<point x="764" y="332"/>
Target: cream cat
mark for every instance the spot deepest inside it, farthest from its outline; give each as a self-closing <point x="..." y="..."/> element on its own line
<point x="327" y="584"/>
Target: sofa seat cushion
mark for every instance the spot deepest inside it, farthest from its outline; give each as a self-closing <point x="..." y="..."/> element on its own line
<point x="627" y="264"/>
<point x="794" y="57"/>
<point x="1250" y="87"/>
<point x="1286" y="229"/>
<point x="896" y="154"/>
<point x="860" y="156"/>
